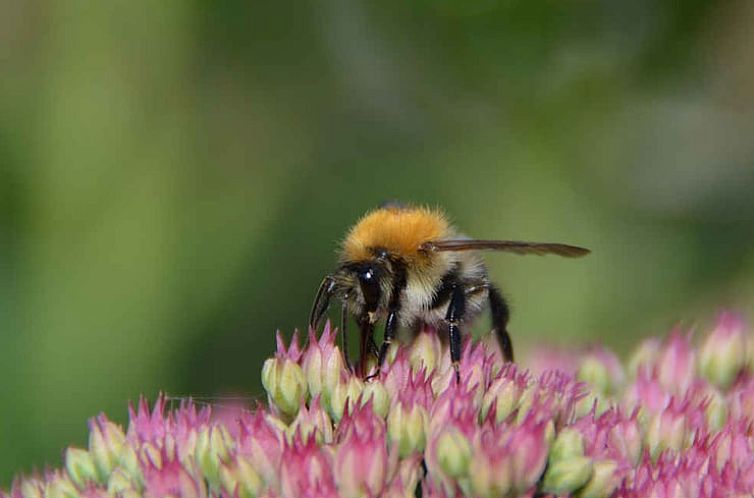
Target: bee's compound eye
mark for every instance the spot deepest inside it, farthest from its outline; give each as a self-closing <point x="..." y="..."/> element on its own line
<point x="370" y="287"/>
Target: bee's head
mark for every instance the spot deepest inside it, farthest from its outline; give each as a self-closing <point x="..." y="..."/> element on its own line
<point x="365" y="286"/>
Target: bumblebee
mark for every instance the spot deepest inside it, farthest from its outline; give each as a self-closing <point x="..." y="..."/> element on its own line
<point x="408" y="266"/>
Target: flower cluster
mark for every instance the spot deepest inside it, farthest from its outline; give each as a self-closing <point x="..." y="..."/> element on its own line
<point x="677" y="421"/>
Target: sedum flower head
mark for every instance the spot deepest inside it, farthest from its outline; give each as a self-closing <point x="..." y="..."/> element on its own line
<point x="677" y="420"/>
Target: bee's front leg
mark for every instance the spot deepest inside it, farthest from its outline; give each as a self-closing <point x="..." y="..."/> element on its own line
<point x="321" y="301"/>
<point x="366" y="326"/>
<point x="344" y="334"/>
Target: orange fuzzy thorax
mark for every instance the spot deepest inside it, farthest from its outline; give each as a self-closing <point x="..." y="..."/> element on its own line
<point x="398" y="230"/>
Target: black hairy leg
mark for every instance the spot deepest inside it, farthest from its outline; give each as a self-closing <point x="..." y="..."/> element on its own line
<point x="455" y="315"/>
<point x="344" y="334"/>
<point x="500" y="315"/>
<point x="366" y="327"/>
<point x="394" y="307"/>
<point x="321" y="301"/>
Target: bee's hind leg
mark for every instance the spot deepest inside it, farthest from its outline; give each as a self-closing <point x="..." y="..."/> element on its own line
<point x="500" y="315"/>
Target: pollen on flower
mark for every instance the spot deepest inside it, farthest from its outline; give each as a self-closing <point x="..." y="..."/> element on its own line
<point x="676" y="420"/>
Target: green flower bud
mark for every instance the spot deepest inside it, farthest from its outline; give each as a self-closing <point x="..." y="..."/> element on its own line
<point x="566" y="476"/>
<point x="32" y="488"/>
<point x="60" y="487"/>
<point x="593" y="401"/>
<point x="119" y="483"/>
<point x="106" y="442"/>
<point x="240" y="476"/>
<point x="602" y="371"/>
<point x="80" y="466"/>
<point x="213" y="447"/>
<point x="376" y="392"/>
<point x="425" y="351"/>
<point x="717" y="411"/>
<point x="645" y="355"/>
<point x="406" y="427"/>
<point x="285" y="384"/>
<point x="723" y="354"/>
<point x="603" y="481"/>
<point x="345" y="392"/>
<point x="569" y="443"/>
<point x="488" y="481"/>
<point x="129" y="463"/>
<point x="504" y="394"/>
<point x="453" y="453"/>
<point x="525" y="402"/>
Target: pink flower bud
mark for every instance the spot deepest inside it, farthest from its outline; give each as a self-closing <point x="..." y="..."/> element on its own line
<point x="396" y="376"/>
<point x="306" y="470"/>
<point x="261" y="442"/>
<point x="504" y="393"/>
<point x="475" y="366"/>
<point x="322" y="363"/>
<point x="741" y="399"/>
<point x="528" y="441"/>
<point x="508" y="460"/>
<point x="733" y="447"/>
<point x="361" y="464"/>
<point x="647" y="393"/>
<point x="669" y="429"/>
<point x="676" y="365"/>
<point x="165" y="475"/>
<point x="554" y="395"/>
<point x="624" y="438"/>
<point x="362" y="422"/>
<point x="312" y="421"/>
<point x="405" y="478"/>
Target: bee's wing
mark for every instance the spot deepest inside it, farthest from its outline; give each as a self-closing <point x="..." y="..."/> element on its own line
<point x="514" y="246"/>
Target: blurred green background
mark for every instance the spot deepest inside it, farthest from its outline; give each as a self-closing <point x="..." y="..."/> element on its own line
<point x="175" y="176"/>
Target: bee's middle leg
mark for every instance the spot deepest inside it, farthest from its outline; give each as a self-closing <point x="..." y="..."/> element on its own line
<point x="455" y="315"/>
